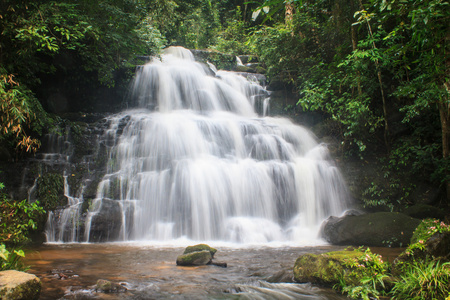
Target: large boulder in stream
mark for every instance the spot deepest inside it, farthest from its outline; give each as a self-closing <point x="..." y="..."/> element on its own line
<point x="15" y="285"/>
<point x="199" y="255"/>
<point x="197" y="258"/>
<point x="380" y="229"/>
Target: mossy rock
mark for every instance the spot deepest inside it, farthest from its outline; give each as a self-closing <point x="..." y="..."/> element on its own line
<point x="382" y="229"/>
<point x="200" y="247"/>
<point x="326" y="268"/>
<point x="198" y="258"/>
<point x="15" y="285"/>
<point x="423" y="211"/>
<point x="106" y="286"/>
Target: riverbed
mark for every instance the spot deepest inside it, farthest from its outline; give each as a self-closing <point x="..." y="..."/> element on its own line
<point x="70" y="271"/>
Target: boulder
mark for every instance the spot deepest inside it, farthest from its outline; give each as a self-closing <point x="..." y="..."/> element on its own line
<point x="326" y="268"/>
<point x="200" y="247"/>
<point x="198" y="258"/>
<point x="424" y="211"/>
<point x="106" y="286"/>
<point x="377" y="229"/>
<point x="15" y="285"/>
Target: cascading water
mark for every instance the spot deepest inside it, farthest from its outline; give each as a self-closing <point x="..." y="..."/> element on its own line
<point x="194" y="160"/>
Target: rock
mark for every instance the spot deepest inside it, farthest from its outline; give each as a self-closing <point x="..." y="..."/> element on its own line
<point x="219" y="264"/>
<point x="424" y="211"/>
<point x="245" y="59"/>
<point x="438" y="245"/>
<point x="283" y="276"/>
<point x="198" y="258"/>
<point x="200" y="247"/>
<point x="378" y="229"/>
<point x="106" y="286"/>
<point x="325" y="269"/>
<point x="15" y="285"/>
<point x="244" y="69"/>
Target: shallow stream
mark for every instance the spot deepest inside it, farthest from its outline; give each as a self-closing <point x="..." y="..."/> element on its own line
<point x="70" y="271"/>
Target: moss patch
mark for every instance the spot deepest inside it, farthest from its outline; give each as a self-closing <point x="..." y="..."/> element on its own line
<point x="200" y="247"/>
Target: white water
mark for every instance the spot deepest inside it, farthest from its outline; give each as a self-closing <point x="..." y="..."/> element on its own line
<point x="194" y="161"/>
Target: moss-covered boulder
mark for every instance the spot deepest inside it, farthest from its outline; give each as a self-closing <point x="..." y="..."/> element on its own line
<point x="15" y="285"/>
<point x="326" y="268"/>
<point x="200" y="247"/>
<point x="423" y="211"/>
<point x="197" y="258"/>
<point x="378" y="229"/>
<point x="106" y="286"/>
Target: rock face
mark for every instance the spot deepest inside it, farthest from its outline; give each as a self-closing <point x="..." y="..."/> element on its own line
<point x="324" y="269"/>
<point x="378" y="229"/>
<point x="198" y="258"/>
<point x="15" y="285"/>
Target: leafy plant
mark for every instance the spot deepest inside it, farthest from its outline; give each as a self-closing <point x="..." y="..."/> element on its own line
<point x="11" y="259"/>
<point x="364" y="276"/>
<point x="422" y="281"/>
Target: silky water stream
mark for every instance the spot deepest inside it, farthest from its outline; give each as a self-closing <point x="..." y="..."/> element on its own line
<point x="196" y="160"/>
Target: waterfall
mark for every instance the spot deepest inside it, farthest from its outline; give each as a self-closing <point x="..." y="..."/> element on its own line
<point x="198" y="158"/>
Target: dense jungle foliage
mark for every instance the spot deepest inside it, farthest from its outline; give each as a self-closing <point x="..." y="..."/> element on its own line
<point x="378" y="71"/>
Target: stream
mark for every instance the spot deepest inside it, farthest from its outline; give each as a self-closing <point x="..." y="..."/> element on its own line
<point x="70" y="271"/>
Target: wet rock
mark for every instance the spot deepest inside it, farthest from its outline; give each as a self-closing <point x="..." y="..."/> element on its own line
<point x="378" y="229"/>
<point x="245" y="59"/>
<point x="198" y="258"/>
<point x="106" y="286"/>
<point x="326" y="268"/>
<point x="200" y="247"/>
<point x="219" y="264"/>
<point x="282" y="276"/>
<point x="15" y="285"/>
<point x="106" y="224"/>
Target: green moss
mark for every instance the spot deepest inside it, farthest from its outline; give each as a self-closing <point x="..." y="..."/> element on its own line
<point x="326" y="268"/>
<point x="200" y="247"/>
<point x="50" y="191"/>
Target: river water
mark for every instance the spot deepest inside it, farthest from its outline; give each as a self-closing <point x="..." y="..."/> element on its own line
<point x="70" y="271"/>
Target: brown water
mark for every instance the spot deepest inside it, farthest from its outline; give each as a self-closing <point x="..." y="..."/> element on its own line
<point x="69" y="271"/>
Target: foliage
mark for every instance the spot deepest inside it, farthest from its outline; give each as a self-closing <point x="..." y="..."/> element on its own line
<point x="19" y="110"/>
<point x="366" y="277"/>
<point x="232" y="39"/>
<point x="423" y="280"/>
<point x="18" y="218"/>
<point x="11" y="259"/>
